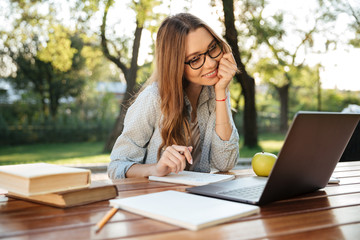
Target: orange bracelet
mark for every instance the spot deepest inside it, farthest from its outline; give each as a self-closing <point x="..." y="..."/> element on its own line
<point x="221" y="100"/>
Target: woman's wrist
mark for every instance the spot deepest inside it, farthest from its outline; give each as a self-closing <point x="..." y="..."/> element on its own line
<point x="220" y="96"/>
<point x="152" y="170"/>
<point x="221" y="99"/>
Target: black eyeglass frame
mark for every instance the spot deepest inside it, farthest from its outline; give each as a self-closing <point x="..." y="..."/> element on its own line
<point x="205" y="53"/>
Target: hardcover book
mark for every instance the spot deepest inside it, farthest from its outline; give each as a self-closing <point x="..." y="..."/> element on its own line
<point x="42" y="178"/>
<point x="98" y="191"/>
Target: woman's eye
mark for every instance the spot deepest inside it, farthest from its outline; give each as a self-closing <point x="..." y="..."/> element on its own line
<point x="213" y="47"/>
<point x="195" y="59"/>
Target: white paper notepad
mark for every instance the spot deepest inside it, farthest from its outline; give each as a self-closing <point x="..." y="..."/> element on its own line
<point x="193" y="178"/>
<point x="186" y="210"/>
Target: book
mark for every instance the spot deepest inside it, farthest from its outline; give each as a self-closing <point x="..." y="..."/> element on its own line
<point x="186" y="210"/>
<point x="193" y="178"/>
<point x="97" y="191"/>
<point x="42" y="178"/>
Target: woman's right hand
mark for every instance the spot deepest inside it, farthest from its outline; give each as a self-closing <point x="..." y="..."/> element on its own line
<point x="173" y="159"/>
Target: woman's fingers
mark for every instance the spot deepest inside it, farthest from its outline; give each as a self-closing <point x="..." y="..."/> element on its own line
<point x="229" y="57"/>
<point x="184" y="150"/>
<point x="226" y="71"/>
<point x="228" y="65"/>
<point x="227" y="68"/>
<point x="170" y="163"/>
<point x="175" y="157"/>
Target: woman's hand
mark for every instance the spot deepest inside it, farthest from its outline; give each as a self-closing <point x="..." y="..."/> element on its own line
<point x="226" y="71"/>
<point x="173" y="159"/>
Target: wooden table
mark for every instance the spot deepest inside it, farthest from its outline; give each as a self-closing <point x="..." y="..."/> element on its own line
<point x="333" y="212"/>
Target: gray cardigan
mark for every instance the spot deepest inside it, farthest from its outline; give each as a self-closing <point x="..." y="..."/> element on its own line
<point x="140" y="139"/>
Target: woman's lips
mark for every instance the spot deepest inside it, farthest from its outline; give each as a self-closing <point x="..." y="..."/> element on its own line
<point x="211" y="74"/>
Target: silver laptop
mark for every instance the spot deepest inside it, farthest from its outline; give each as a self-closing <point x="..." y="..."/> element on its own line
<point x="312" y="148"/>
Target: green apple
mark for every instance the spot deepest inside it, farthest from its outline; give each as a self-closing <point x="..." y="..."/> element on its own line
<point x="262" y="163"/>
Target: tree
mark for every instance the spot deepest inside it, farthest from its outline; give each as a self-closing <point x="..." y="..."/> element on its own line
<point x="285" y="63"/>
<point x="350" y="8"/>
<point x="118" y="56"/>
<point x="246" y="81"/>
<point x="45" y="55"/>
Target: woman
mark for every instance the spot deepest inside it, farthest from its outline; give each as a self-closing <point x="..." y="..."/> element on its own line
<point x="182" y="119"/>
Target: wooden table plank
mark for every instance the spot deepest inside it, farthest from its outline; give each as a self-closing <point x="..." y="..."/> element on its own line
<point x="256" y="228"/>
<point x="334" y="209"/>
<point x="349" y="163"/>
<point x="69" y="220"/>
<point x="346" y="174"/>
<point x="268" y="227"/>
<point x="347" y="168"/>
<point x="349" y="180"/>
<point x="86" y="231"/>
<point x="347" y="231"/>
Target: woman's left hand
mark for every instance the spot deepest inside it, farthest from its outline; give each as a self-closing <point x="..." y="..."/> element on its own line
<point x="226" y="71"/>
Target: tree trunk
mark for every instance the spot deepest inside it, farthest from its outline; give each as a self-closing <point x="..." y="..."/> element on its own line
<point x="53" y="97"/>
<point x="284" y="106"/>
<point x="119" y="124"/>
<point x="130" y="77"/>
<point x="247" y="82"/>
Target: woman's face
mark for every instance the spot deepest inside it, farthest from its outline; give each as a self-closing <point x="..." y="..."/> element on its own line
<point x="197" y="43"/>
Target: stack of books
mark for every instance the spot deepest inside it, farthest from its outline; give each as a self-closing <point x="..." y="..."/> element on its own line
<point x="54" y="185"/>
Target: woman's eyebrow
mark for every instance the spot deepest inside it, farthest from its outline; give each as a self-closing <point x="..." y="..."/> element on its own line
<point x="196" y="53"/>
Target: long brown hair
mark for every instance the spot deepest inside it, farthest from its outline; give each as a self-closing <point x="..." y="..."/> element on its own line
<point x="169" y="73"/>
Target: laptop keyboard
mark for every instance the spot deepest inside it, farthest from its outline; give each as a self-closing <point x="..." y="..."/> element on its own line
<point x="253" y="192"/>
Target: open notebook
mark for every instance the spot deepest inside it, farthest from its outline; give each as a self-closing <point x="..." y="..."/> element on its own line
<point x="186" y="210"/>
<point x="193" y="178"/>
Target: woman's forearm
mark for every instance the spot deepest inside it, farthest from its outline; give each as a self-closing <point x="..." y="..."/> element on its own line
<point x="141" y="170"/>
<point x="223" y="126"/>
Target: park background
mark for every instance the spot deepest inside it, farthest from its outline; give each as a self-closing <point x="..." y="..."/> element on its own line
<point x="69" y="68"/>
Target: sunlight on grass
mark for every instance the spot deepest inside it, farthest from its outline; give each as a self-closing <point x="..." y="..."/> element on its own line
<point x="272" y="146"/>
<point x="63" y="153"/>
<point x="269" y="142"/>
<point x="102" y="158"/>
<point x="91" y="152"/>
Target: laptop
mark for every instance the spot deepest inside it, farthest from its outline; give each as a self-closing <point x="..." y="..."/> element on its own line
<point x="313" y="146"/>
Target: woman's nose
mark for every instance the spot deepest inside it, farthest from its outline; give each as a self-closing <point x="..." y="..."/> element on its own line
<point x="209" y="62"/>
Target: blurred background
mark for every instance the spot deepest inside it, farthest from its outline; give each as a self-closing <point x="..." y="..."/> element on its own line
<point x="69" y="68"/>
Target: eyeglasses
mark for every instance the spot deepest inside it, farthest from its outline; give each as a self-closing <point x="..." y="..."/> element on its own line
<point x="198" y="61"/>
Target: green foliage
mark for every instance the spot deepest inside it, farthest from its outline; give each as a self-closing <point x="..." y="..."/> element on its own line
<point x="65" y="128"/>
<point x="144" y="73"/>
<point x="47" y="79"/>
<point x="144" y="10"/>
<point x="271" y="72"/>
<point x="336" y="101"/>
<point x="86" y="118"/>
<point x="93" y="56"/>
<point x="58" y="50"/>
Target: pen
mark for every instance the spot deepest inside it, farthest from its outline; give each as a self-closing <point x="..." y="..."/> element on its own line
<point x="106" y="218"/>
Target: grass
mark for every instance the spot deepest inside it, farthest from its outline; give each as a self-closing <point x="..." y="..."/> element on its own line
<point x="91" y="152"/>
<point x="61" y="153"/>
<point x="268" y="142"/>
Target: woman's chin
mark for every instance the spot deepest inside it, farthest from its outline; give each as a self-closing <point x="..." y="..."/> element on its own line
<point x="212" y="81"/>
